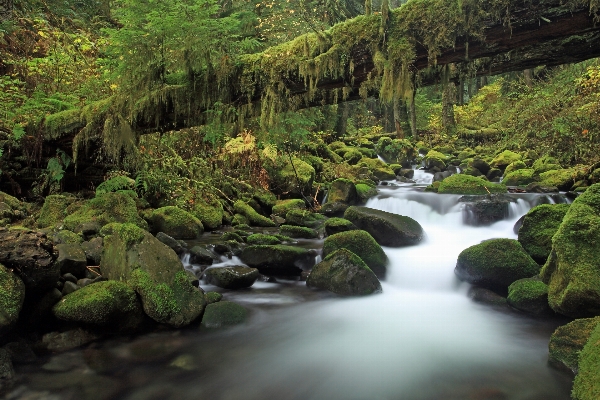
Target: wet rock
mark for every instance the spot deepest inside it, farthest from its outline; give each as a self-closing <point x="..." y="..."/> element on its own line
<point x="337" y="225"/>
<point x="467" y="184"/>
<point x="93" y="250"/>
<point x="386" y="228"/>
<point x="344" y="191"/>
<point x="538" y="188"/>
<point x="203" y="256"/>
<point x="481" y="165"/>
<point x="440" y="176"/>
<point x="494" y="175"/>
<point x="261" y="238"/>
<point x="63" y="341"/>
<point x="6" y="367"/>
<point x="12" y="295"/>
<point x="539" y="226"/>
<point x="20" y="353"/>
<point x="305" y="218"/>
<point x="223" y="314"/>
<point x="171" y="242"/>
<point x="587" y="382"/>
<point x="298" y="232"/>
<point x="568" y="340"/>
<point x="485" y="210"/>
<point x="407" y="173"/>
<point x="213" y="297"/>
<point x="529" y="295"/>
<point x="502" y="160"/>
<point x="71" y="259"/>
<point x="231" y="277"/>
<point x="363" y="245"/>
<point x="69" y="287"/>
<point x="68" y="277"/>
<point x="177" y="223"/>
<point x="278" y="260"/>
<point x="192" y="278"/>
<point x="334" y="209"/>
<point x="486" y="296"/>
<point x="343" y="272"/>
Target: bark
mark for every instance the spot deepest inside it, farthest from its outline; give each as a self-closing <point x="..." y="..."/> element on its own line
<point x="448" y="100"/>
<point x="528" y="75"/>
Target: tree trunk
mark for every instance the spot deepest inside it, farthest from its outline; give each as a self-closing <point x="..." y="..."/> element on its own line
<point x="412" y="110"/>
<point x="528" y="75"/>
<point x="461" y="92"/>
<point x="368" y="7"/>
<point x="342" y="121"/>
<point x="448" y="96"/>
<point x="401" y="121"/>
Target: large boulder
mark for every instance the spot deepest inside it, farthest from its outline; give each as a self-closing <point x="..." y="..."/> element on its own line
<point x="155" y="272"/>
<point x="278" y="260"/>
<point x="386" y="228"/>
<point x="175" y="222"/>
<point x="365" y="192"/>
<point x="485" y="210"/>
<point x="435" y="159"/>
<point x="71" y="259"/>
<point x="568" y="340"/>
<point x="54" y="210"/>
<point x="231" y="277"/>
<point x="293" y="179"/>
<point x="563" y="179"/>
<point x="504" y="159"/>
<point x="545" y="163"/>
<point x="343" y="272"/>
<point x="467" y="184"/>
<point x="342" y="190"/>
<point x="223" y="314"/>
<point x="539" y="226"/>
<point x="519" y="177"/>
<point x="104" y="209"/>
<point x="283" y="206"/>
<point x="529" y="295"/>
<point x="337" y="225"/>
<point x="12" y="295"/>
<point x="108" y="304"/>
<point x="253" y="217"/>
<point x="305" y="218"/>
<point x="572" y="270"/>
<point x="587" y="382"/>
<point x="360" y="243"/>
<point x="495" y="264"/>
<point x="31" y="255"/>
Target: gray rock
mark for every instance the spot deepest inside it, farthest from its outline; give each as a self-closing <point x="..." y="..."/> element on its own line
<point x="278" y="260"/>
<point x="171" y="242"/>
<point x="63" y="341"/>
<point x="223" y="314"/>
<point x="93" y="250"/>
<point x="485" y="210"/>
<point x="234" y="277"/>
<point x="71" y="259"/>
<point x="203" y="256"/>
<point x="68" y="277"/>
<point x="69" y="288"/>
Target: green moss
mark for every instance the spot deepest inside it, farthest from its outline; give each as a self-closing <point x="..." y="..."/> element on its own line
<point x="352" y="156"/>
<point x="360" y="243"/>
<point x="514" y="166"/>
<point x="568" y="340"/>
<point x="466" y="184"/>
<point x="223" y="314"/>
<point x="563" y="179"/>
<point x="505" y="158"/>
<point x="176" y="223"/>
<point x="378" y="168"/>
<point x="342" y="190"/>
<point x="253" y="217"/>
<point x="539" y="226"/>
<point x="305" y="218"/>
<point x="114" y="184"/>
<point x="158" y="299"/>
<point x="260" y="238"/>
<point x="54" y="210"/>
<point x="520" y="177"/>
<point x="587" y="382"/>
<point x="365" y="192"/>
<point x="62" y="122"/>
<point x="434" y="187"/>
<point x="529" y="295"/>
<point x="283" y="206"/>
<point x="213" y="297"/>
<point x="298" y="232"/>
<point x="65" y="236"/>
<point x="545" y="163"/>
<point x="232" y="236"/>
<point x="12" y="295"/>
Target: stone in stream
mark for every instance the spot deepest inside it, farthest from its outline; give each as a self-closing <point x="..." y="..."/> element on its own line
<point x="12" y="295"/>
<point x="68" y="340"/>
<point x="386" y="228"/>
<point x="539" y="226"/>
<point x="278" y="260"/>
<point x="587" y="382"/>
<point x="223" y="314"/>
<point x="344" y="191"/>
<point x="529" y="295"/>
<point x="298" y="232"/>
<point x="568" y="340"/>
<point x="343" y="272"/>
<point x="71" y="259"/>
<point x="485" y="210"/>
<point x="363" y="245"/>
<point x="231" y="277"/>
<point x="337" y="225"/>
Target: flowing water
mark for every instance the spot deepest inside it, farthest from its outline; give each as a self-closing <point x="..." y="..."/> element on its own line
<point x="423" y="338"/>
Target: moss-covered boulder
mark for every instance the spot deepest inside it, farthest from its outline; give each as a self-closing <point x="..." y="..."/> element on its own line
<point x="305" y="218"/>
<point x="485" y="210"/>
<point x="539" y="226"/>
<point x="115" y="184"/>
<point x="261" y="238"/>
<point x="337" y="225"/>
<point x="563" y="179"/>
<point x="572" y="270"/>
<point x="277" y="260"/>
<point x="65" y="236"/>
<point x="177" y="223"/>
<point x="293" y="179"/>
<point x="54" y="210"/>
<point x="495" y="264"/>
<point x="223" y="314"/>
<point x="386" y="228"/>
<point x="435" y="159"/>
<point x="282" y="207"/>
<point x="12" y="295"/>
<point x="108" y="304"/>
<point x="352" y="156"/>
<point x="466" y="184"/>
<point x="545" y="163"/>
<point x="481" y="165"/>
<point x="342" y="190"/>
<point x="587" y="382"/>
<point x="363" y="245"/>
<point x="365" y="192"/>
<point x="400" y="151"/>
<point x="343" y="272"/>
<point x="231" y="277"/>
<point x="298" y="232"/>
<point x="504" y="159"/>
<point x="520" y="177"/>
<point x="253" y="217"/>
<point x="568" y="340"/>
<point x="378" y="168"/>
<point x="155" y="272"/>
<point x="514" y="166"/>
<point x="529" y="295"/>
<point x="104" y="209"/>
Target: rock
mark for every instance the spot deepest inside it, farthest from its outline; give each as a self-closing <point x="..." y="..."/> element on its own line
<point x="440" y="176"/>
<point x="69" y="277"/>
<point x="545" y="164"/>
<point x="261" y="238"/>
<point x="337" y="225"/>
<point x="539" y="226"/>
<point x="283" y="206"/>
<point x="212" y="297"/>
<point x="563" y="179"/>
<point x="568" y="340"/>
<point x="494" y="175"/>
<point x="108" y="304"/>
<point x="54" y="210"/>
<point x="68" y="340"/>
<point x="386" y="228"/>
<point x="486" y="296"/>
<point x="104" y="209"/>
<point x="365" y="192"/>
<point x="587" y="382"/>
<point x="287" y="179"/>
<point x="278" y="260"/>
<point x="407" y="173"/>
<point x="305" y="218"/>
<point x="495" y="264"/>
<point x="363" y="245"/>
<point x="7" y="371"/>
<point x="171" y="242"/>
<point x="481" y="165"/>
<point x="514" y="166"/>
<point x="537" y="188"/>
<point x="231" y="277"/>
<point x="71" y="259"/>
<point x="334" y="209"/>
<point x="155" y="272"/>
<point x="20" y="353"/>
<point x="177" y="223"/>
<point x="66" y="237"/>
<point x="466" y="184"/>
<point x="572" y="271"/>
<point x="344" y="191"/>
<point x="472" y="172"/>
<point x="435" y="159"/>
<point x="93" y="250"/>
<point x="485" y="210"/>
<point x="90" y="229"/>
<point x="223" y="314"/>
<point x="298" y="232"/>
<point x="520" y="177"/>
<point x="12" y="295"/>
<point x="201" y="255"/>
<point x="380" y="170"/>
<point x="69" y="287"/>
<point x="232" y="236"/>
<point x="502" y="160"/>
<point x="343" y="272"/>
<point x="529" y="295"/>
<point x="253" y="217"/>
<point x="31" y="255"/>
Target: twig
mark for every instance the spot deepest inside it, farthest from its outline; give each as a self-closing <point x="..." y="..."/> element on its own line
<point x="93" y="271"/>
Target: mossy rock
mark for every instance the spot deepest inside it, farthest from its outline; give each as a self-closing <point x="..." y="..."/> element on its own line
<point x="233" y="236"/>
<point x="386" y="228"/>
<point x="212" y="297"/>
<point x="277" y="260"/>
<point x="481" y="165"/>
<point x="260" y="238"/>
<point x="435" y="159"/>
<point x="343" y="272"/>
<point x="240" y="220"/>
<point x="360" y="243"/>
<point x="224" y="314"/>
<point x="466" y="153"/>
<point x="155" y="272"/>
<point x="545" y="164"/>
<point x="504" y="159"/>
<point x="288" y="178"/>
<point x="298" y="232"/>
<point x="337" y="225"/>
<point x="434" y="187"/>
<point x="253" y="217"/>
<point x="587" y="382"/>
<point x="466" y="184"/>
<point x="352" y="156"/>
<point x="305" y="218"/>
<point x="108" y="304"/>
<point x="563" y="179"/>
<point x="177" y="223"/>
<point x="365" y="192"/>
<point x="378" y="168"/>
<point x="12" y="295"/>
<point x="231" y="277"/>
<point x="495" y="264"/>
<point x="54" y="210"/>
<point x="514" y="166"/>
<point x="115" y="184"/>
<point x="283" y="206"/>
<point x="572" y="270"/>
<point x="568" y="340"/>
<point x="65" y="236"/>
<point x="472" y="171"/>
<point x="529" y="295"/>
<point x="520" y="177"/>
<point x="104" y="209"/>
<point x="209" y="212"/>
<point x="539" y="226"/>
<point x="342" y="190"/>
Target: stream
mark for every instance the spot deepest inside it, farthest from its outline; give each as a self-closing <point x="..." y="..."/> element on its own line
<point x="423" y="338"/>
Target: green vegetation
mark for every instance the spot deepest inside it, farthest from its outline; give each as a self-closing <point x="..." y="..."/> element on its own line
<point x="586" y="385"/>
<point x="360" y="243"/>
<point x="539" y="226"/>
<point x="467" y="184"/>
